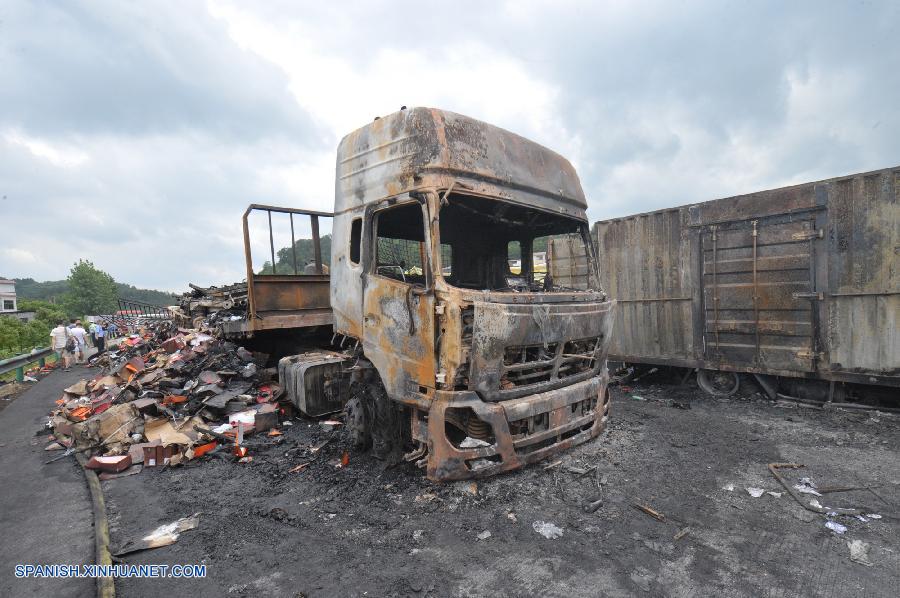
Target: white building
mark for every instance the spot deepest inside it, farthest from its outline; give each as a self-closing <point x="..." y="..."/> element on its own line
<point x="8" y="295"/>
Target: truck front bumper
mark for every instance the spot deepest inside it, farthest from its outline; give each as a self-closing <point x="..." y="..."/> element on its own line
<point x="525" y="430"/>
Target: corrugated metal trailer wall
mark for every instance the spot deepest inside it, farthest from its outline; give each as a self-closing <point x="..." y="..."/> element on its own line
<point x="647" y="264"/>
<point x="799" y="281"/>
<point x="863" y="302"/>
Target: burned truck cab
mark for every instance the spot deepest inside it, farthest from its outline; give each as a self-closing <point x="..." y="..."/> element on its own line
<point x="440" y="278"/>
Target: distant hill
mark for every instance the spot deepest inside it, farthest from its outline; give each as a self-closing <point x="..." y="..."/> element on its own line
<point x="53" y="290"/>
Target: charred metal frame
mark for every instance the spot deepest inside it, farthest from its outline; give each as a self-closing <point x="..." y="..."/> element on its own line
<point x="284" y="301"/>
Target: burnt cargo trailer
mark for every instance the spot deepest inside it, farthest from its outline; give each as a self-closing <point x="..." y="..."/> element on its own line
<point x="801" y="282"/>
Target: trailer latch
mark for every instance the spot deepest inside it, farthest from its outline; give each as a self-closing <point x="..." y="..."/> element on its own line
<point x="812" y="296"/>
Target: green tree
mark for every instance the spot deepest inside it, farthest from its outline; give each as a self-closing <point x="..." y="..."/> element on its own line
<point x="46" y="312"/>
<point x="305" y="250"/>
<point x="91" y="291"/>
<point x="11" y="332"/>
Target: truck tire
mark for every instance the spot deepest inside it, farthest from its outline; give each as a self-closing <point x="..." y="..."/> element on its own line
<point x="357" y="424"/>
<point x="386" y="427"/>
<point x="718" y="383"/>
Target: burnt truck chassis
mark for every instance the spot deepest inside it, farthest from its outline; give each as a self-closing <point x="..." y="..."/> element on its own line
<point x="478" y="380"/>
<point x="518" y="423"/>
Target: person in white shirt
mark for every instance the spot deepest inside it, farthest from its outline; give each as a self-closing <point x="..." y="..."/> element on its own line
<point x="80" y="335"/>
<point x="58" y="338"/>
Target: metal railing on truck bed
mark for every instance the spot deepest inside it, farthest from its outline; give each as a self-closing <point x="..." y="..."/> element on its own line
<point x="298" y="299"/>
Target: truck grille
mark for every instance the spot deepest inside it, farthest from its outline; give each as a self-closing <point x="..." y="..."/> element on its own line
<point x="535" y="364"/>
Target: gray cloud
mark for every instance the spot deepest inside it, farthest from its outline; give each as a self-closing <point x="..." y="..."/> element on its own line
<point x="137" y="68"/>
<point x="140" y="130"/>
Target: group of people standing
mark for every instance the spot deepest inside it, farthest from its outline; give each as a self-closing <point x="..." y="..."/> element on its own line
<point x="70" y="341"/>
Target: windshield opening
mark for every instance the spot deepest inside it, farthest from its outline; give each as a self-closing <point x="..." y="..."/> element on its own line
<point x="498" y="246"/>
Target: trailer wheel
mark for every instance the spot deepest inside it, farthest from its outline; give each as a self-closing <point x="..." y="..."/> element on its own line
<point x="357" y="424"/>
<point x="718" y="383"/>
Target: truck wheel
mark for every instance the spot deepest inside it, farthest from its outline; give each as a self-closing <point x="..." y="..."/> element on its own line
<point x="357" y="424"/>
<point x="718" y="383"/>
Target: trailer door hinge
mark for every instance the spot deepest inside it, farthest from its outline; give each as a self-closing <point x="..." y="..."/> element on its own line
<point x="808" y="234"/>
<point x="812" y="296"/>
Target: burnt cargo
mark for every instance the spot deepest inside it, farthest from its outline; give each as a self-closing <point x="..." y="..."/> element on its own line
<point x="802" y="281"/>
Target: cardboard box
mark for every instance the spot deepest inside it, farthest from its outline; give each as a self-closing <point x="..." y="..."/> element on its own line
<point x="157" y="455"/>
<point x="266" y="418"/>
<point x="112" y="464"/>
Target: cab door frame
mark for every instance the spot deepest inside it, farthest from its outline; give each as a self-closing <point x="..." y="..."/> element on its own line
<point x="398" y="318"/>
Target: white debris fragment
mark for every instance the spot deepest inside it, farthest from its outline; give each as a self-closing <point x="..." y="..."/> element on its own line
<point x="168" y="533"/>
<point x="728" y="487"/>
<point x="815" y="504"/>
<point x="417" y="535"/>
<point x="755" y="492"/>
<point x="547" y="529"/>
<point x="836" y="527"/>
<point x="484" y="535"/>
<point x="775" y="494"/>
<point x="470" y="442"/>
<point x="477" y="464"/>
<point x="873" y="516"/>
<point x="859" y="552"/>
<point x="806" y="486"/>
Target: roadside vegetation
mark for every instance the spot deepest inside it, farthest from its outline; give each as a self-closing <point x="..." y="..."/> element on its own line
<point x="86" y="291"/>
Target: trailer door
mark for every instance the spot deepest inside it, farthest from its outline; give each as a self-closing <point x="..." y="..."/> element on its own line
<point x="759" y="294"/>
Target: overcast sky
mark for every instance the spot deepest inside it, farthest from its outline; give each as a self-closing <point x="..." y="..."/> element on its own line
<point x="134" y="134"/>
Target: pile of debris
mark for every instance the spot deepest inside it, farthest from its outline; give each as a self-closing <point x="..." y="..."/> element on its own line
<point x="212" y="303"/>
<point x="168" y="395"/>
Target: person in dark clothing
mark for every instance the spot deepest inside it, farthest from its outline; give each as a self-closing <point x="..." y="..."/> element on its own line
<point x="100" y="333"/>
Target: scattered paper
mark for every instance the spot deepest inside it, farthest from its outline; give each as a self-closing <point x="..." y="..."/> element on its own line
<point x="755" y="492"/>
<point x="775" y="494"/>
<point x="859" y="552"/>
<point x="873" y="516"/>
<point x="806" y="486"/>
<point x="484" y="535"/>
<point x="161" y="536"/>
<point x="836" y="527"/>
<point x="728" y="487"/>
<point x="163" y="431"/>
<point x="547" y="529"/>
<point x="79" y="388"/>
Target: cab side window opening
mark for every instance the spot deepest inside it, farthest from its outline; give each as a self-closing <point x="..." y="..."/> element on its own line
<point x="400" y="244"/>
<point x="446" y="260"/>
<point x="355" y="239"/>
<point x="501" y="246"/>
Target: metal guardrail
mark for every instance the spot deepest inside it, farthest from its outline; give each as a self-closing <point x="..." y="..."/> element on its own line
<point x="19" y="362"/>
<point x="127" y="307"/>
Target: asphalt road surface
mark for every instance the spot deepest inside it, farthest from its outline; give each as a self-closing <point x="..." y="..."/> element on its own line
<point x="45" y="510"/>
<point x="367" y="530"/>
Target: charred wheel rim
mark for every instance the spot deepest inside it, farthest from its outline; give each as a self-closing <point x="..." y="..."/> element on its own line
<point x="718" y="383"/>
